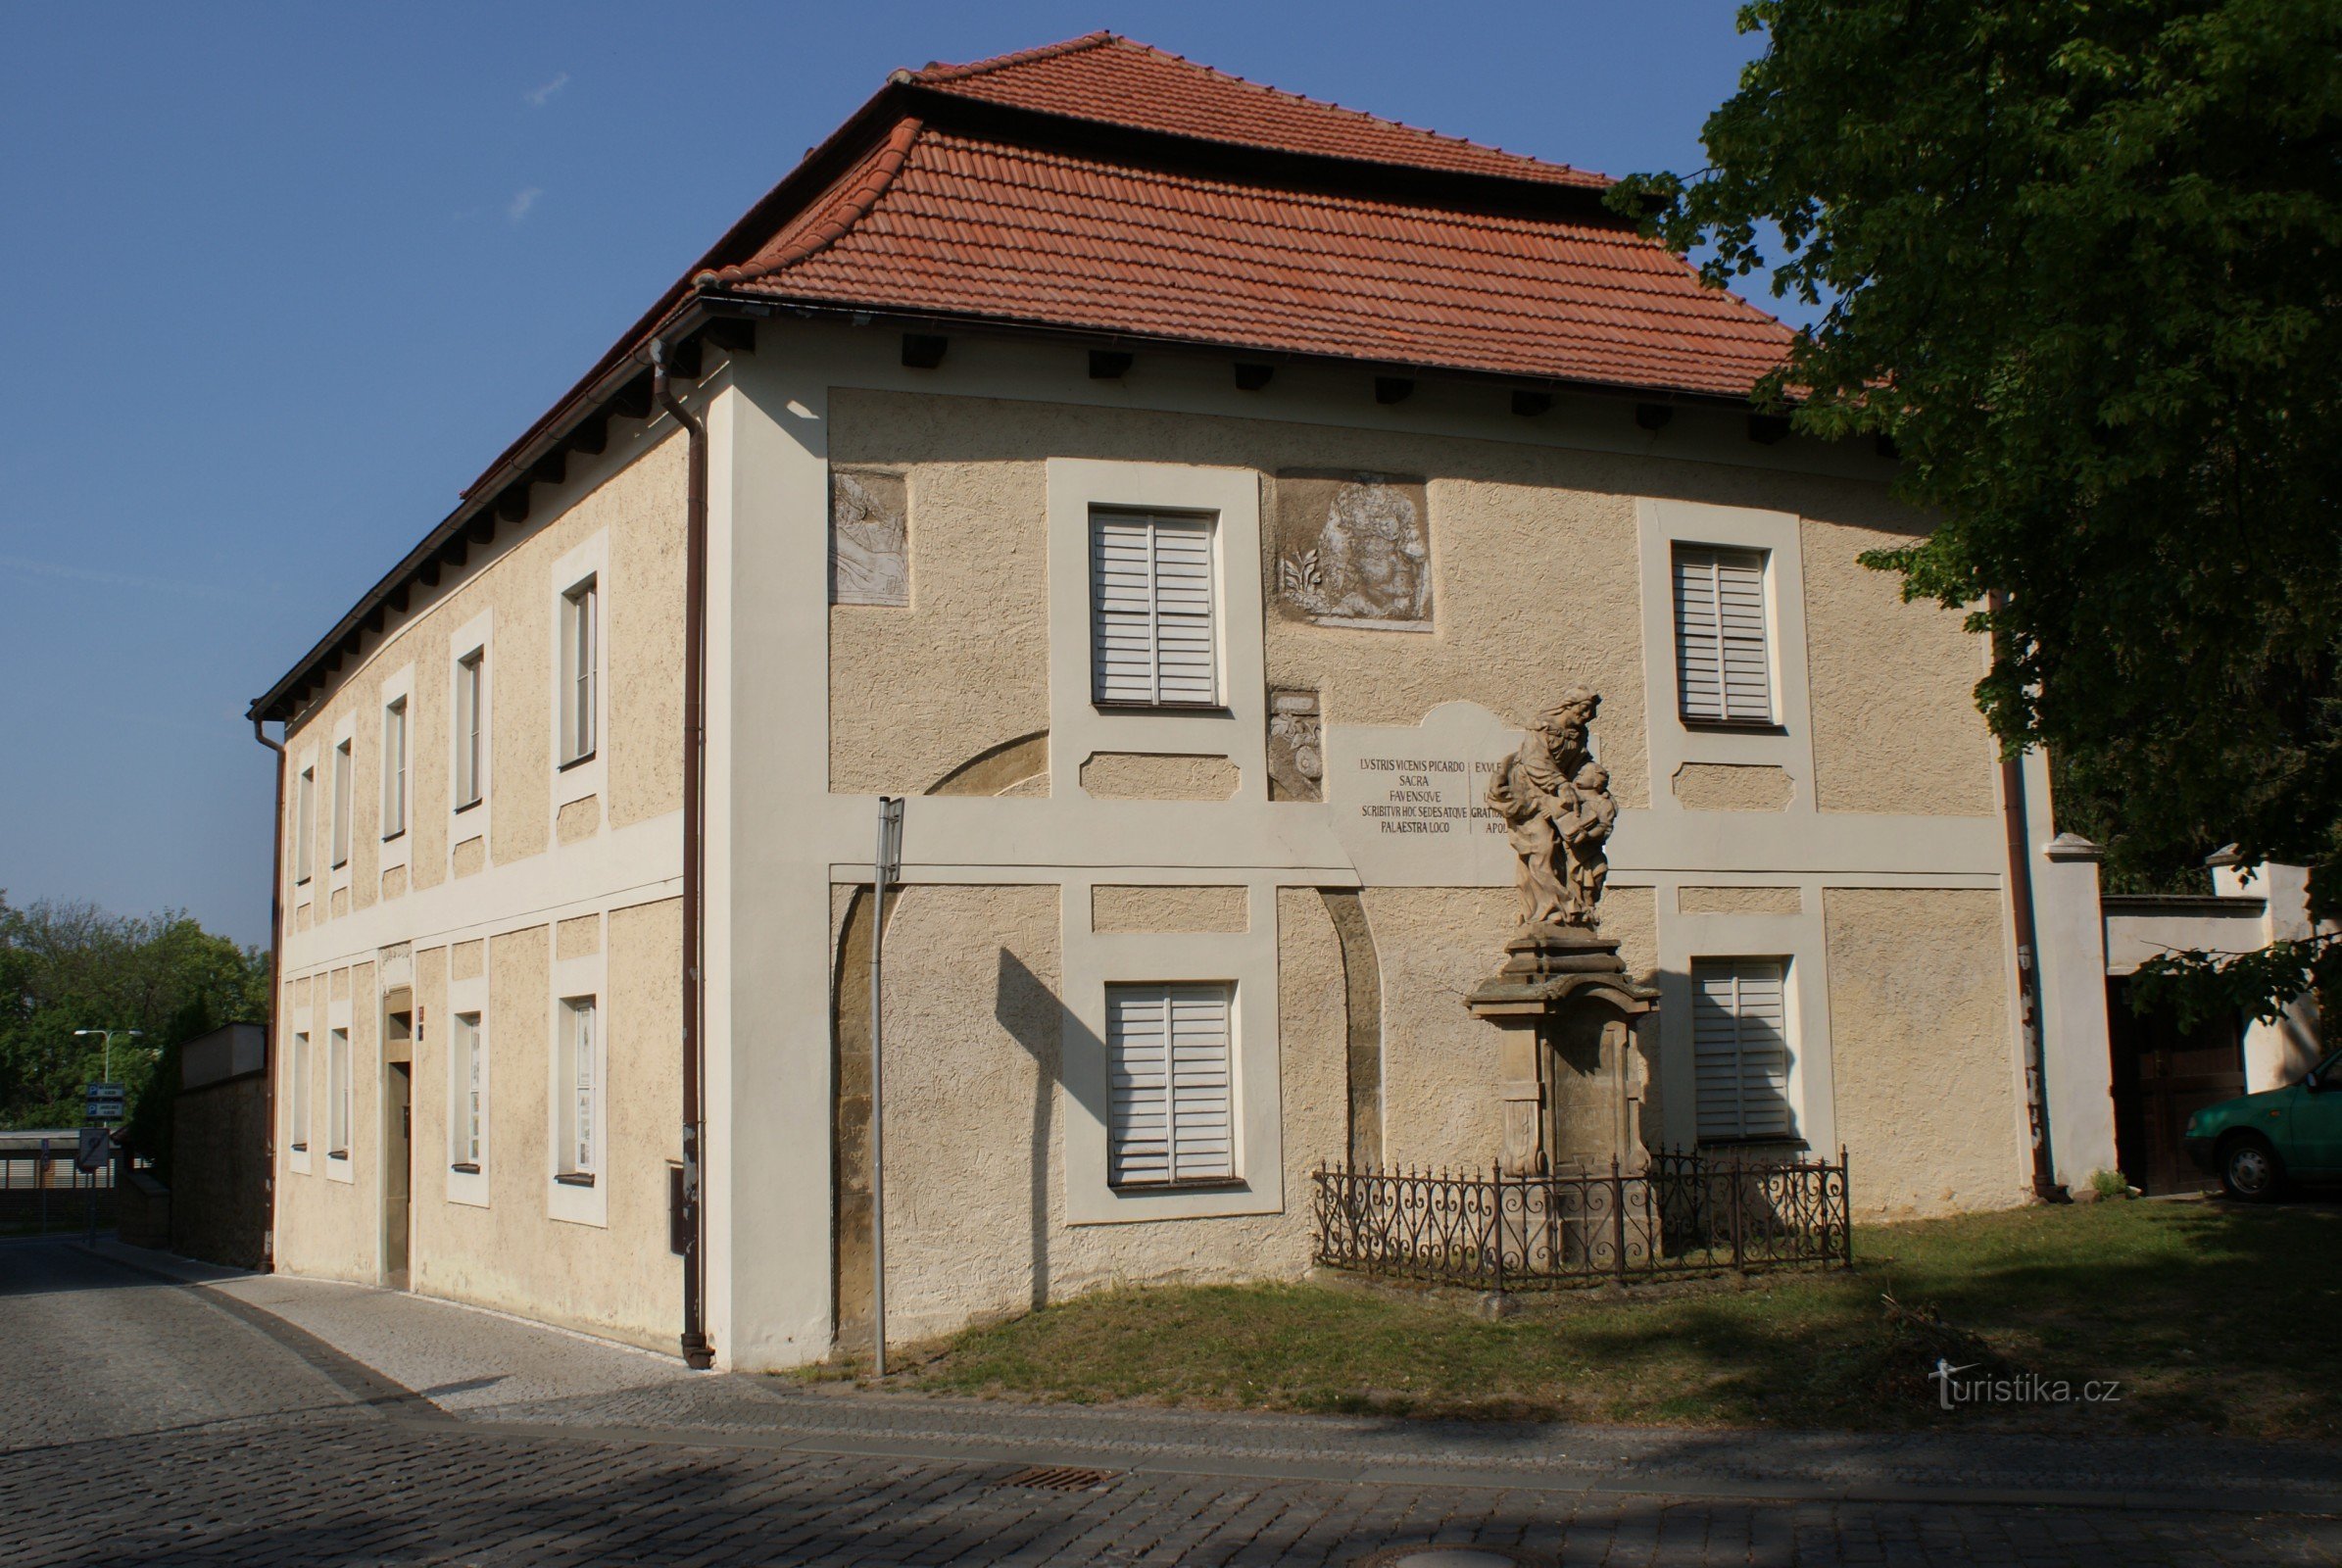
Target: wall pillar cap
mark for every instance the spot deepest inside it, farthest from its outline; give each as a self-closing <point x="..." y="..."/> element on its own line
<point x="2072" y="846"/>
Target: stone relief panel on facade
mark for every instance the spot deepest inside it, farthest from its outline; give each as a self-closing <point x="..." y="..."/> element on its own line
<point x="1354" y="550"/>
<point x="1297" y="749"/>
<point x="869" y="538"/>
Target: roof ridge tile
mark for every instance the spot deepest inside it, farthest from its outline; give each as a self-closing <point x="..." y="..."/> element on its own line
<point x="1031" y="79"/>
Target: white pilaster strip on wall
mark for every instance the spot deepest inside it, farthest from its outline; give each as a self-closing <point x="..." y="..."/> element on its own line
<point x="769" y="485"/>
<point x="2071" y="929"/>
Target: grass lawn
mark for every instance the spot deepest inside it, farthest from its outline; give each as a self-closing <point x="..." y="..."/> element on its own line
<point x="2212" y="1316"/>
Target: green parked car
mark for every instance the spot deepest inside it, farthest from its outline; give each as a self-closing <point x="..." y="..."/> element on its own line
<point x="2256" y="1143"/>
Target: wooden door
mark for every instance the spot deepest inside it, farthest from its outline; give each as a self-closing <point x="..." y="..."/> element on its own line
<point x="398" y="1171"/>
<point x="2164" y="1074"/>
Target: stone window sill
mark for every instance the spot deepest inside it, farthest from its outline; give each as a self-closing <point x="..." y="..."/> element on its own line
<point x="1218" y="1184"/>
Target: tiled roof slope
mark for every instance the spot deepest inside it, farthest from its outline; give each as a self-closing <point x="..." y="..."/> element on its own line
<point x="1114" y="80"/>
<point x="967" y="223"/>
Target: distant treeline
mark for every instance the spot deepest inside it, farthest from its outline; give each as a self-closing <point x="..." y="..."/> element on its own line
<point x="68" y="967"/>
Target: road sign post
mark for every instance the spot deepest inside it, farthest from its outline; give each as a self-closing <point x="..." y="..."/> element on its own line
<point x="886" y="865"/>
<point x="95" y="1150"/>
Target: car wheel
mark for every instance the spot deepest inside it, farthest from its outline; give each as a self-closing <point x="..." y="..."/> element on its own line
<point x="2250" y="1170"/>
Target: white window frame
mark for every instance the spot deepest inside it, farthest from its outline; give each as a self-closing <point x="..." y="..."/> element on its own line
<point x="471" y="729"/>
<point x="1207" y="1165"/>
<point x="1706" y="580"/>
<point x="344" y="1101"/>
<point x="579" y="690"/>
<point x="305" y="819"/>
<point x="1158" y="546"/>
<point x="340" y="782"/>
<point x="578" y="772"/>
<point x="579" y="1043"/>
<point x="1802" y="941"/>
<point x="339" y="1094"/>
<point x="1677" y="742"/>
<point x="1724" y="1039"/>
<point x="469" y="999"/>
<point x="398" y="691"/>
<point x="473" y="817"/>
<point x="578" y="1196"/>
<point x="1246" y="960"/>
<point x="1079" y="728"/>
<point x="397" y="745"/>
<point x="300" y="1098"/>
<point x="345" y="802"/>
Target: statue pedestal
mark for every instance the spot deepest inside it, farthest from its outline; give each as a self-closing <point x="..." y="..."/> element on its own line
<point x="1566" y="1062"/>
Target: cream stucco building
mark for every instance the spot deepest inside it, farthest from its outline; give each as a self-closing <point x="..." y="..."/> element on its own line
<point x="1176" y="501"/>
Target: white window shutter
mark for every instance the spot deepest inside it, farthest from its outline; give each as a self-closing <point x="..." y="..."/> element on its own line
<point x="1740" y="1042"/>
<point x="1202" y="1148"/>
<point x="1138" y="1065"/>
<point x="1153" y="624"/>
<point x="1168" y="1061"/>
<point x="1723" y="653"/>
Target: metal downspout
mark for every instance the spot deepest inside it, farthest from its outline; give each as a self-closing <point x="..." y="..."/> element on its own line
<point x="696" y="1353"/>
<point x="276" y="988"/>
<point x="2029" y="969"/>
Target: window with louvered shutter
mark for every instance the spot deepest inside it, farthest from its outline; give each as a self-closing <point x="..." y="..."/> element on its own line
<point x="1167" y="1067"/>
<point x="1724" y="662"/>
<point x="1740" y="1046"/>
<point x="1154" y="625"/>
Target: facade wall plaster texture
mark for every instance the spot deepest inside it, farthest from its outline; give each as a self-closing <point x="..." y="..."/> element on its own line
<point x="1516" y="530"/>
<point x="615" y="1280"/>
<point x="1739" y="901"/>
<point x="580" y="938"/>
<point x="1894" y="714"/>
<point x="974" y="1220"/>
<point x="1733" y="787"/>
<point x="914" y="692"/>
<point x="640" y="508"/>
<point x="1149" y="776"/>
<point x="1128" y="909"/>
<point x="1919" y="1013"/>
<point x="578" y="820"/>
<point x="328" y="1217"/>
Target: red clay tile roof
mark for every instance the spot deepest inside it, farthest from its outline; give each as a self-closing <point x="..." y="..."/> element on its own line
<point x="1102" y="186"/>
<point x="1114" y="80"/>
<point x="932" y="221"/>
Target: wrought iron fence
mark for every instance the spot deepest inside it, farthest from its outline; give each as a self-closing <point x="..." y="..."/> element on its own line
<point x="1683" y="1212"/>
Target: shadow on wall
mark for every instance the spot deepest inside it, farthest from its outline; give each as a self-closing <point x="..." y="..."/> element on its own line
<point x="1024" y="1005"/>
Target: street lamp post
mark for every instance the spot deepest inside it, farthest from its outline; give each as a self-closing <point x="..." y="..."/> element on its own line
<point x="107" y="1072"/>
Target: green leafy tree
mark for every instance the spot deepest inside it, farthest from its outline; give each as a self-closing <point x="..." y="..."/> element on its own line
<point x="2079" y="262"/>
<point x="68" y="967"/>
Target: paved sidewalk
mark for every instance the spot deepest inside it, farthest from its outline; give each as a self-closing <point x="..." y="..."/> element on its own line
<point x="520" y="1378"/>
<point x="153" y="1413"/>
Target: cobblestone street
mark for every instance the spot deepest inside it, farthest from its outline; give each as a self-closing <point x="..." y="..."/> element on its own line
<point x="264" y="1420"/>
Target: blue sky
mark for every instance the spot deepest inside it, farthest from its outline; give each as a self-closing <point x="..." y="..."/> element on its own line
<point x="279" y="279"/>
